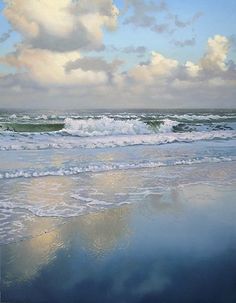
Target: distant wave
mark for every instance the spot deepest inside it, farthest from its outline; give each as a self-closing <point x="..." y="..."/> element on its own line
<point x="206" y="117"/>
<point x="187" y="117"/>
<point x="31" y="127"/>
<point x="100" y="167"/>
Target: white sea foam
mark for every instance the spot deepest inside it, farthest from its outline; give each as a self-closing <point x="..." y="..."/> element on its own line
<point x="167" y="126"/>
<point x="74" y="170"/>
<point x="42" y="117"/>
<point x="13" y="116"/>
<point x="26" y="117"/>
<point x="105" y="127"/>
<point x="56" y="141"/>
<point x="109" y="126"/>
<point x="210" y="117"/>
<point x="90" y="201"/>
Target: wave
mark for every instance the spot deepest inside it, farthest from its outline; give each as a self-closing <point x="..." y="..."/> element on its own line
<point x="105" y="127"/>
<point x="117" y="124"/>
<point x="31" y="127"/>
<point x="55" y="141"/>
<point x="108" y="126"/>
<point x="206" y="117"/>
<point x="92" y="127"/>
<point x="75" y="170"/>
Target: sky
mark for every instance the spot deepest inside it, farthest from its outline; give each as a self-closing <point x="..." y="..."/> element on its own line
<point x="117" y="54"/>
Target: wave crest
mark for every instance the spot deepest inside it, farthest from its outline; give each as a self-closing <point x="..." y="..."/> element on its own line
<point x="105" y="127"/>
<point x="110" y="127"/>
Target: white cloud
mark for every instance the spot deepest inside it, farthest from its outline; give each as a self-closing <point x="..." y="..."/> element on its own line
<point x="62" y="25"/>
<point x="49" y="68"/>
<point x="192" y="69"/>
<point x="28" y="16"/>
<point x="217" y="51"/>
<point x="214" y="60"/>
<point x="158" y="67"/>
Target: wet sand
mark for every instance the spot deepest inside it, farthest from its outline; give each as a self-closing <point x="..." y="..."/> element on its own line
<point x="179" y="246"/>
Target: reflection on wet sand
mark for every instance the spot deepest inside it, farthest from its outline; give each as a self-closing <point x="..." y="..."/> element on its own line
<point x="130" y="253"/>
<point x="206" y="197"/>
<point x="24" y="259"/>
<point x="33" y="198"/>
<point x="49" y="190"/>
<point x="170" y="203"/>
<point x="111" y="183"/>
<point x="97" y="232"/>
<point x="101" y="232"/>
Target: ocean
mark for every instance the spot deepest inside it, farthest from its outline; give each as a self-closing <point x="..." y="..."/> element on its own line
<point x="58" y="165"/>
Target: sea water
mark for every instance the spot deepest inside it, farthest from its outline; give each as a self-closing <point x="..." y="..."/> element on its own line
<point x="58" y="165"/>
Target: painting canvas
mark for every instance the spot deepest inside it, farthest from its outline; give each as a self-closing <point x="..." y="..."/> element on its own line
<point x="117" y="151"/>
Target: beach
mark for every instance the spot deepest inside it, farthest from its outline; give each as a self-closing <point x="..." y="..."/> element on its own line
<point x="118" y="207"/>
<point x="171" y="247"/>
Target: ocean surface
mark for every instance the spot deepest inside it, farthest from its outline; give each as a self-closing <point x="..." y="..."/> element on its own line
<point x="58" y="165"/>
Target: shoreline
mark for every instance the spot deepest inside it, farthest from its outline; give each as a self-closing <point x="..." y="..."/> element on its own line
<point x="67" y="220"/>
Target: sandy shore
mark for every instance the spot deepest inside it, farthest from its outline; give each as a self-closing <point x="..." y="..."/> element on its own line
<point x="178" y="246"/>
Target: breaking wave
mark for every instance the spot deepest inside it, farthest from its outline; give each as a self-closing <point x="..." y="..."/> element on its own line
<point x="105" y="127"/>
<point x="110" y="127"/>
<point x="90" y="127"/>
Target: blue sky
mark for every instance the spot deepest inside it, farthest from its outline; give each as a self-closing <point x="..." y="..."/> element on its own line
<point x="184" y="28"/>
<point x="218" y="17"/>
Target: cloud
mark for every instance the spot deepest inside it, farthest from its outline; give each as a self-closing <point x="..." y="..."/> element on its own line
<point x="143" y="11"/>
<point x="166" y="81"/>
<point x="5" y="36"/>
<point x="139" y="50"/>
<point x="183" y="43"/>
<point x="54" y="33"/>
<point x="192" y="69"/>
<point x="93" y="64"/>
<point x="62" y="25"/>
<point x="48" y="68"/>
<point x="214" y="61"/>
<point x="52" y="64"/>
<point x="179" y="23"/>
<point x="144" y="14"/>
<point x="160" y="28"/>
<point x="158" y="67"/>
<point x="216" y="55"/>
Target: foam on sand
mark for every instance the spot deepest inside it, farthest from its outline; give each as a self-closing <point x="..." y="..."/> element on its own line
<point x="102" y="167"/>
